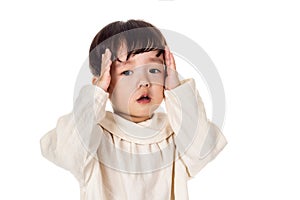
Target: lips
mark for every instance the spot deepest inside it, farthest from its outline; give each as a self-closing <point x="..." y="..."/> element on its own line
<point x="143" y="99"/>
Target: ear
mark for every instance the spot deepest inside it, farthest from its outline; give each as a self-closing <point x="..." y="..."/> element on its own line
<point x="95" y="79"/>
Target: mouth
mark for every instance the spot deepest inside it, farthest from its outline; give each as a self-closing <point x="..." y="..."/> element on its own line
<point x="144" y="99"/>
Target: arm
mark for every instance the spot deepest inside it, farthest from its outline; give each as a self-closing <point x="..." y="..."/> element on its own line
<point x="197" y="140"/>
<point x="77" y="135"/>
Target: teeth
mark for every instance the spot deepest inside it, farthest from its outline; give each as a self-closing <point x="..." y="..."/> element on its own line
<point x="143" y="97"/>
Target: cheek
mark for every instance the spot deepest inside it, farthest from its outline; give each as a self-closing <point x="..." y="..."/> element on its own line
<point x="157" y="79"/>
<point x="158" y="91"/>
<point x="121" y="90"/>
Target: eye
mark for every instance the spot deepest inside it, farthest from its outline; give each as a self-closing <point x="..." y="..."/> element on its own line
<point x="127" y="72"/>
<point x="154" y="71"/>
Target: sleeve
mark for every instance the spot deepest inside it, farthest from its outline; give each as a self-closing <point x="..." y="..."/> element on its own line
<point x="77" y="135"/>
<point x="197" y="140"/>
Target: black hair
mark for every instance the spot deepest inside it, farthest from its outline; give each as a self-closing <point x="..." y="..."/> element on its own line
<point x="138" y="36"/>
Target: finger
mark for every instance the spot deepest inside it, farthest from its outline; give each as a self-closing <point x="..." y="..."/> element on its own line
<point x="105" y="76"/>
<point x="167" y="55"/>
<point x="172" y="62"/>
<point x="106" y="57"/>
<point x="106" y="61"/>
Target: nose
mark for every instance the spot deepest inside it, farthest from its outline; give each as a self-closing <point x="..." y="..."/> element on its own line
<point x="141" y="76"/>
<point x="144" y="83"/>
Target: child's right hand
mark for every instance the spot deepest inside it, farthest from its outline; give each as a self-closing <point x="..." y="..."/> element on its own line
<point x="103" y="80"/>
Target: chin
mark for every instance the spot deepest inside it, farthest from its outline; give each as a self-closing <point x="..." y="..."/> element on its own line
<point x="142" y="114"/>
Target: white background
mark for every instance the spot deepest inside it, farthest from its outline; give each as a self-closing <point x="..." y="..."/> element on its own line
<point x="255" y="46"/>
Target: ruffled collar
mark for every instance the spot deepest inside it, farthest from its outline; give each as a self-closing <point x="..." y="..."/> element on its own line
<point x="150" y="131"/>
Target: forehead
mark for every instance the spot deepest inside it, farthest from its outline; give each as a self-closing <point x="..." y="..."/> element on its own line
<point x="140" y="59"/>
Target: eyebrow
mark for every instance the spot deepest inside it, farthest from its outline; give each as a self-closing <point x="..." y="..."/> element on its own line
<point x="151" y="59"/>
<point x="156" y="59"/>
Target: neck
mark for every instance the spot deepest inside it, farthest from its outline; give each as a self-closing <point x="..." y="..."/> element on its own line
<point x="135" y="119"/>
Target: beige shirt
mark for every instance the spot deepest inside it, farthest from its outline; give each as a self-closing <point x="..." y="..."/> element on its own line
<point x="116" y="159"/>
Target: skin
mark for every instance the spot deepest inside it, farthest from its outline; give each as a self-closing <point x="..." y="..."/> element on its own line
<point x="142" y="74"/>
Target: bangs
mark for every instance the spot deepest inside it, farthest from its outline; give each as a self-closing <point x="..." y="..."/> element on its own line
<point x="136" y="41"/>
<point x="143" y="40"/>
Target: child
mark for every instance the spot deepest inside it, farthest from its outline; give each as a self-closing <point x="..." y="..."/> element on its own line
<point x="134" y="153"/>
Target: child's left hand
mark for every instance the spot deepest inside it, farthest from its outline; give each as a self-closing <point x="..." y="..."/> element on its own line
<point x="172" y="79"/>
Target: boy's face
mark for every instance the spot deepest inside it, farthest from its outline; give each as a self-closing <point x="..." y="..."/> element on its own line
<point x="137" y="85"/>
